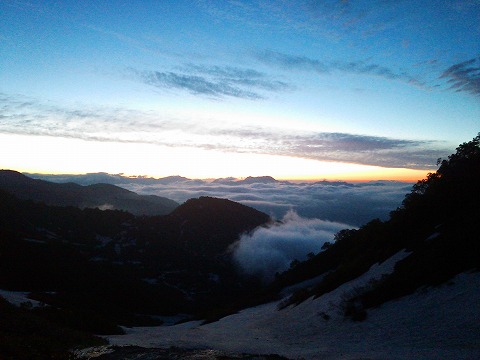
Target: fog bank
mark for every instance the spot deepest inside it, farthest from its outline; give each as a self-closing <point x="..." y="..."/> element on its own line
<point x="272" y="249"/>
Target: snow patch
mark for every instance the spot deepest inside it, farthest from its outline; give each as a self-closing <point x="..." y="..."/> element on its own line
<point x="433" y="236"/>
<point x="433" y="323"/>
<point x="20" y="298"/>
<point x="104" y="207"/>
<point x="35" y="241"/>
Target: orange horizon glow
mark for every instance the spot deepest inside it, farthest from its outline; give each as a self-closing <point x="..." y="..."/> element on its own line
<point x="388" y="174"/>
<point x="392" y="174"/>
<point x="49" y="155"/>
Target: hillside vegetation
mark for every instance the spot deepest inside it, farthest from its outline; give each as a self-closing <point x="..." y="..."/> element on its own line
<point x="95" y="270"/>
<point x="438" y="223"/>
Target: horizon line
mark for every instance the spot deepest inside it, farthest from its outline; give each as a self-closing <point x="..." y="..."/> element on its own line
<point x="351" y="179"/>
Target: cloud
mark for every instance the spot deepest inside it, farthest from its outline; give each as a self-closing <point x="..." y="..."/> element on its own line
<point x="28" y="116"/>
<point x="343" y="147"/>
<point x="271" y="249"/>
<point x="379" y="29"/>
<point x="329" y="18"/>
<point x="464" y="76"/>
<point x="213" y="81"/>
<point x="289" y="62"/>
<point x="194" y="84"/>
<point x="302" y="63"/>
<point x="351" y="203"/>
<point x="241" y="77"/>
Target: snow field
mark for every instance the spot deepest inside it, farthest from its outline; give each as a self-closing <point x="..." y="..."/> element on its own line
<point x="433" y="323"/>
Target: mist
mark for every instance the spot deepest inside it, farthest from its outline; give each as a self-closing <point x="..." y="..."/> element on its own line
<point x="272" y="248"/>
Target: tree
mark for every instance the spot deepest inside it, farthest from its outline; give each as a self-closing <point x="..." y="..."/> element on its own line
<point x="454" y="183"/>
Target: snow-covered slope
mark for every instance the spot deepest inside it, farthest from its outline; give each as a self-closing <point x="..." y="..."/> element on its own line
<point x="434" y="323"/>
<point x="19" y="298"/>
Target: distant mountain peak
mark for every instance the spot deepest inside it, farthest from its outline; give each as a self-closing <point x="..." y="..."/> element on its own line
<point x="259" y="179"/>
<point x="12" y="174"/>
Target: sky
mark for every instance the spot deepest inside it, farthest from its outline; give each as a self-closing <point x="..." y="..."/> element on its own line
<point x="353" y="90"/>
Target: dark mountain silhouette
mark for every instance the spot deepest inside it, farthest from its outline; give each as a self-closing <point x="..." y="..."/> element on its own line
<point x="209" y="225"/>
<point x="438" y="223"/>
<point x="103" y="196"/>
<point x="258" y="180"/>
<point x="120" y="179"/>
<point x="83" y="179"/>
<point x="97" y="269"/>
<point x="106" y="178"/>
<point x="170" y="180"/>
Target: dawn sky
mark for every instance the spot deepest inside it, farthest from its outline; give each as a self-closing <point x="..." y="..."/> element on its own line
<point x="300" y="89"/>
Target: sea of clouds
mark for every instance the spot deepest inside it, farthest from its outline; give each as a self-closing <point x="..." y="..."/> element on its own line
<point x="350" y="203"/>
<point x="309" y="214"/>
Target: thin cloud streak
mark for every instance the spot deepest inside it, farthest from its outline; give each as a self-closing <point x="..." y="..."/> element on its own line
<point x="212" y="81"/>
<point x="241" y="77"/>
<point x="307" y="16"/>
<point x="464" y="76"/>
<point x="26" y="116"/>
<point x="303" y="63"/>
<point x="194" y="84"/>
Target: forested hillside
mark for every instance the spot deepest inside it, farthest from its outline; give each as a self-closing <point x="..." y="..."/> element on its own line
<point x="438" y="223"/>
<point x="95" y="270"/>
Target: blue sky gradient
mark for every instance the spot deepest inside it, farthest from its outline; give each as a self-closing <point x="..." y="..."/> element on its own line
<point x="306" y="84"/>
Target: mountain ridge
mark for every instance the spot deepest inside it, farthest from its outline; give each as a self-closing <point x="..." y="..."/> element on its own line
<point x="103" y="196"/>
<point x="117" y="179"/>
<point x="94" y="269"/>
